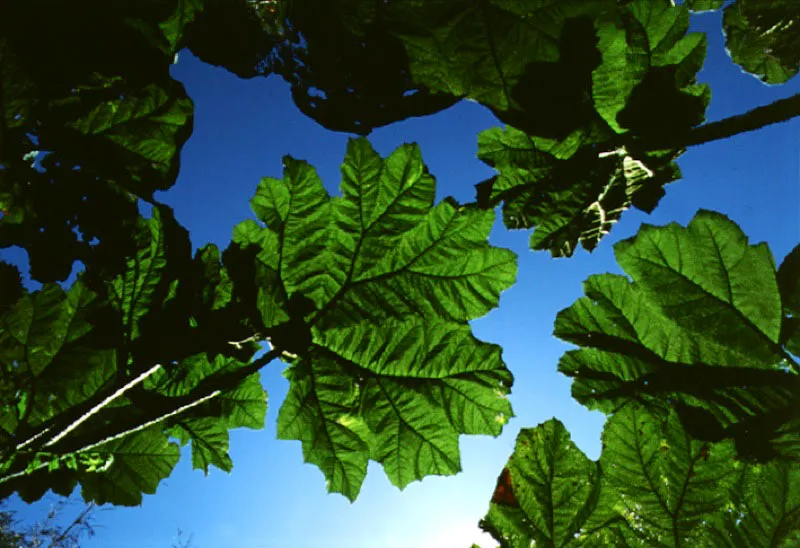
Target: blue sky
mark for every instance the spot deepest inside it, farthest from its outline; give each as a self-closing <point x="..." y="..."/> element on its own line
<point x="271" y="499"/>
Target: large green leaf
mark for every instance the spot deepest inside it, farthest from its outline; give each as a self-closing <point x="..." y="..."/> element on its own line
<point x="698" y="327"/>
<point x="569" y="194"/>
<point x="764" y="510"/>
<point x="527" y="60"/>
<point x="669" y="484"/>
<point x="547" y="491"/>
<point x="654" y="485"/>
<point x="762" y="38"/>
<point x="480" y="50"/>
<point x="380" y="286"/>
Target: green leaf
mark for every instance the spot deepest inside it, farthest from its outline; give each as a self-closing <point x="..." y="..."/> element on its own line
<point x="511" y="56"/>
<point x="382" y="284"/>
<point x="547" y="491"/>
<point x="648" y="58"/>
<point x="569" y="194"/>
<point x="761" y="37"/>
<point x="141" y="461"/>
<point x="38" y="327"/>
<point x="317" y="411"/>
<point x="669" y="484"/>
<point x="143" y="131"/>
<point x="209" y="442"/>
<point x="699" y="325"/>
<point x="765" y="507"/>
<point x="134" y="292"/>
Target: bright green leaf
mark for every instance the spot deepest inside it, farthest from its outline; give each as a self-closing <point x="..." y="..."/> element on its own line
<point x="141" y="461"/>
<point x="699" y="324"/>
<point x="669" y="484"/>
<point x="547" y="491"/>
<point x="382" y="284"/>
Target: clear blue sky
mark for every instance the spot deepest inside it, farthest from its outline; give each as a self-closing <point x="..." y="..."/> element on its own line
<point x="271" y="499"/>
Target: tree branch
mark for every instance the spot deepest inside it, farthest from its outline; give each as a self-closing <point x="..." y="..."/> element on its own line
<point x="83" y="418"/>
<point x="774" y="113"/>
<point x="161" y="407"/>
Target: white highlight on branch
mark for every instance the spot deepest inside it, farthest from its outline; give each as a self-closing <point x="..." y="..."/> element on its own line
<point x="101" y="405"/>
<point x="181" y="409"/>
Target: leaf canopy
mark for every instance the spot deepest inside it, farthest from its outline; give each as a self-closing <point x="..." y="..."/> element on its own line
<point x="65" y="355"/>
<point x="383" y="361"/>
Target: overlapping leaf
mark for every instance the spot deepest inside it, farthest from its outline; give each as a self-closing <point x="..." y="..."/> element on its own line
<point x="570" y="195"/>
<point x="698" y="328"/>
<point x="763" y="38"/>
<point x="482" y="50"/>
<point x="380" y="285"/>
<point x="764" y="510"/>
<point x="654" y="485"/>
<point x="68" y="355"/>
<point x="574" y="183"/>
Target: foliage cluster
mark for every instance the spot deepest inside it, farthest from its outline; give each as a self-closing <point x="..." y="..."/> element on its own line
<point x="366" y="296"/>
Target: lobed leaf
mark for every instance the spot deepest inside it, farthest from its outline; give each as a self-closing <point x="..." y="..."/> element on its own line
<point x="698" y="328"/>
<point x="379" y="285"/>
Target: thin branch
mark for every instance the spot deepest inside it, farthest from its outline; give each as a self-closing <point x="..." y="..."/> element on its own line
<point x="781" y="110"/>
<point x="79" y="520"/>
<point x="206" y="390"/>
<point x="164" y="406"/>
<point x="150" y="422"/>
<point x="99" y="406"/>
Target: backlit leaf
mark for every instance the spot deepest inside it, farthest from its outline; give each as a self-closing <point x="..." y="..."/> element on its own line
<point x="699" y="325"/>
<point x="381" y="285"/>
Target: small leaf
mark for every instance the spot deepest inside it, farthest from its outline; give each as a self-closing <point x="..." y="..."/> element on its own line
<point x="141" y="461"/>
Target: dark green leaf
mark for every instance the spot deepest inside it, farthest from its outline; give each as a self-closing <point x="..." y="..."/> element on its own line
<point x="569" y="194"/>
<point x="762" y="38"/>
